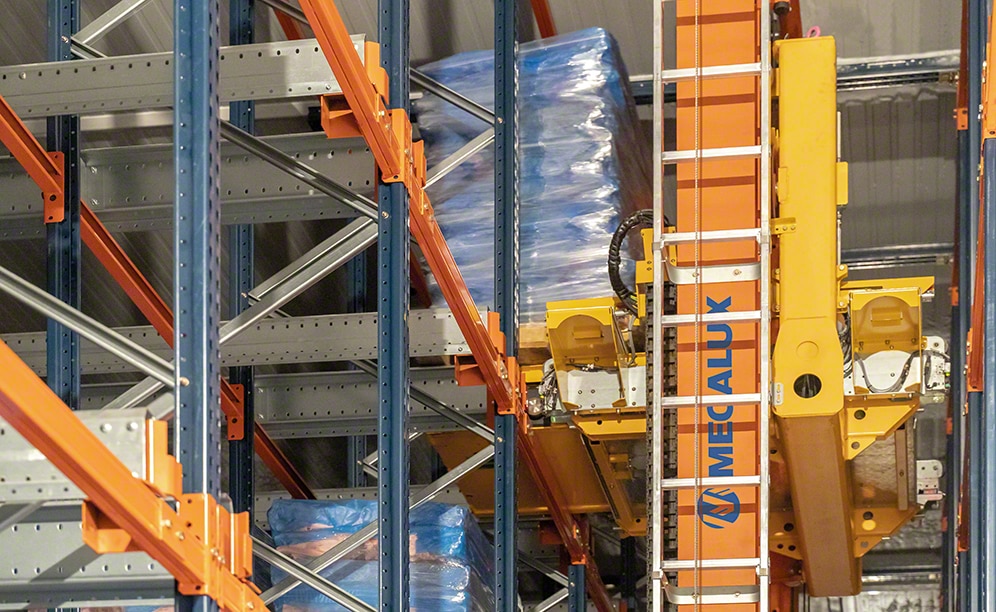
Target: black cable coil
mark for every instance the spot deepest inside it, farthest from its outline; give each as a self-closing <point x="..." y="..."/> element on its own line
<point x="640" y="219"/>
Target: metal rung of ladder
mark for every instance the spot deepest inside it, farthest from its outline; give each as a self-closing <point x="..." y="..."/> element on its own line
<point x="708" y="596"/>
<point x="674" y="157"/>
<point x="676" y="565"/>
<point x="687" y="401"/>
<point x="743" y="316"/>
<point x="732" y="235"/>
<point x="710" y="72"/>
<point x="674" y="484"/>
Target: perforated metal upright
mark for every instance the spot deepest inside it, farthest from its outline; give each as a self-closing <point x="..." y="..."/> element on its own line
<point x="63" y="261"/>
<point x="240" y="271"/>
<point x="954" y="585"/>
<point x="975" y="422"/>
<point x="506" y="291"/>
<point x="392" y="326"/>
<point x="197" y="282"/>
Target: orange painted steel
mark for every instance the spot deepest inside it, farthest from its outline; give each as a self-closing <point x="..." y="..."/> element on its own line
<point x="110" y="254"/>
<point x="107" y="250"/>
<point x="389" y="136"/>
<point x="544" y="18"/>
<point x="727" y="116"/>
<point x="44" y="168"/>
<point x="280" y="465"/>
<point x="291" y="27"/>
<point x="367" y="104"/>
<point x="124" y="501"/>
<point x="961" y="106"/>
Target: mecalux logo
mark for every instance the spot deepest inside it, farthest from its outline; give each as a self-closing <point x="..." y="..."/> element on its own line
<point x="719" y="507"/>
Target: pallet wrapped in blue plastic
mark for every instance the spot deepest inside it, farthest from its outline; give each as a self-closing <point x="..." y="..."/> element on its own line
<point x="584" y="165"/>
<point x="451" y="567"/>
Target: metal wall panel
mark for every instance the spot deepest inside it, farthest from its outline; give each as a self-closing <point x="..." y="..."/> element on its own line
<point x="865" y="29"/>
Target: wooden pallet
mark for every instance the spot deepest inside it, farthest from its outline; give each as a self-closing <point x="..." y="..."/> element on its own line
<point x="534" y="346"/>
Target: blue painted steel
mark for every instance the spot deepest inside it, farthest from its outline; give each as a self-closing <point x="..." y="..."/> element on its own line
<point x="197" y="280"/>
<point x="241" y="281"/>
<point x="988" y="570"/>
<point x="392" y="308"/>
<point x="576" y="600"/>
<point x="976" y="489"/>
<point x="952" y="581"/>
<point x="977" y="36"/>
<point x="975" y="423"/>
<point x="506" y="291"/>
<point x="63" y="260"/>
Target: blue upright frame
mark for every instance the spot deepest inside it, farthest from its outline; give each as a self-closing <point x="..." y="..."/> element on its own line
<point x="392" y="328"/>
<point x="976" y="422"/>
<point x="63" y="260"/>
<point x="576" y="601"/>
<point x="954" y="568"/>
<point x="988" y="569"/>
<point x="506" y="291"/>
<point x="241" y="282"/>
<point x="197" y="226"/>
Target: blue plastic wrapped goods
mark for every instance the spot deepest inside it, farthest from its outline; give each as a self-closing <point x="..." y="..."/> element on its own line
<point x="584" y="165"/>
<point x="451" y="566"/>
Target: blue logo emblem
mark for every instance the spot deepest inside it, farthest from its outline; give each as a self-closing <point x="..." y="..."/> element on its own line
<point x="719" y="508"/>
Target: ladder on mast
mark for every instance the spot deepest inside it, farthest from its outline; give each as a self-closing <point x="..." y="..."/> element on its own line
<point x="718" y="256"/>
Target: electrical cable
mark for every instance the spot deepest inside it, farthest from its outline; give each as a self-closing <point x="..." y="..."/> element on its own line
<point x="640" y="219"/>
<point x="896" y="386"/>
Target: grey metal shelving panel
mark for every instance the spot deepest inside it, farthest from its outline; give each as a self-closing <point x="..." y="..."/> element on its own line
<point x="264" y="71"/>
<point x="323" y="338"/>
<point x="131" y="188"/>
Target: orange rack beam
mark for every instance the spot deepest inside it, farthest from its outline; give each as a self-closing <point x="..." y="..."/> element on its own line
<point x="44" y="168"/>
<point x="127" y="502"/>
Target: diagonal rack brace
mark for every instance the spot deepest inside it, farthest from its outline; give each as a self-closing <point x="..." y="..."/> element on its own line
<point x="44" y="168"/>
<point x="123" y="512"/>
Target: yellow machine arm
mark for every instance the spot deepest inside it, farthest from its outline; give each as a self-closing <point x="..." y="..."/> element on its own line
<point x="831" y="407"/>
